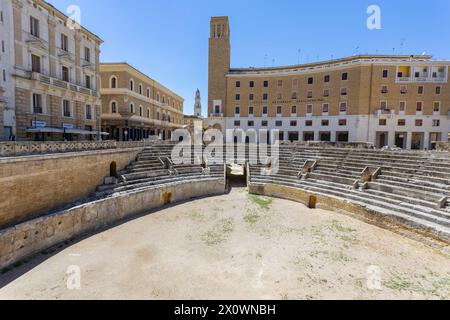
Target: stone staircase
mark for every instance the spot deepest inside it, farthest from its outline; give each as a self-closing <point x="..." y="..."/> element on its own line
<point x="153" y="167"/>
<point x="413" y="186"/>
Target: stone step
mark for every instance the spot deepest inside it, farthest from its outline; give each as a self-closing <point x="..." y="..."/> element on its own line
<point x="412" y="183"/>
<point x="402" y="190"/>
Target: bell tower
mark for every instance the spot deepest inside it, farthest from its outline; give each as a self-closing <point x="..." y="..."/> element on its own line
<point x="218" y="65"/>
<point x="198" y="104"/>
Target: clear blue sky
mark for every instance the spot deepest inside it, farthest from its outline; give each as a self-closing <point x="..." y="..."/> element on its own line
<point x="168" y="39"/>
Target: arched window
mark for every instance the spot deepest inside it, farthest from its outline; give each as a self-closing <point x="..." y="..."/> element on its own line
<point x="113" y="82"/>
<point x="148" y="93"/>
<point x="148" y="112"/>
<point x="140" y="111"/>
<point x="157" y="97"/>
<point x="113" y="107"/>
<point x="164" y="99"/>
<point x="131" y="107"/>
<point x="140" y="89"/>
<point x="131" y="85"/>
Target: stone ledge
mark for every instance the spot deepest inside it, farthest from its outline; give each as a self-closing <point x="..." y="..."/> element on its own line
<point x="34" y="236"/>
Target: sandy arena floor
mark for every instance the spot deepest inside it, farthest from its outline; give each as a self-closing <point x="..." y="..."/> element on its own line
<point x="238" y="246"/>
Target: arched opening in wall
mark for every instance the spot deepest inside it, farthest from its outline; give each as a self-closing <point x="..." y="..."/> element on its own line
<point x="113" y="169"/>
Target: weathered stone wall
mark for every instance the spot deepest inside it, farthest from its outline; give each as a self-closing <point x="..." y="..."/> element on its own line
<point x="21" y="241"/>
<point x="33" y="185"/>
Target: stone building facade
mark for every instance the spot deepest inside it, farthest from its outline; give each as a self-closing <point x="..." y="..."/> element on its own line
<point x="382" y="99"/>
<point x="51" y="74"/>
<point x="136" y="107"/>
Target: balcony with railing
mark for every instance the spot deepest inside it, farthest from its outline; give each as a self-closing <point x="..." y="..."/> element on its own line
<point x="433" y="74"/>
<point x="61" y="84"/>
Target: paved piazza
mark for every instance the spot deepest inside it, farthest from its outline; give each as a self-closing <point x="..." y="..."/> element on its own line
<point x="238" y="246"/>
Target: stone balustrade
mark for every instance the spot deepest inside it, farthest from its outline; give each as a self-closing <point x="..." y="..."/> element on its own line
<point x="12" y="149"/>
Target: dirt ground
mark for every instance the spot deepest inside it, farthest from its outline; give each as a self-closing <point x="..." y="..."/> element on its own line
<point x="237" y="246"/>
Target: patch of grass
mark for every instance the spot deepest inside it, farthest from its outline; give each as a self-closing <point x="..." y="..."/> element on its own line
<point x="219" y="233"/>
<point x="430" y="284"/>
<point x="262" y="202"/>
<point x="337" y="226"/>
<point x="251" y="218"/>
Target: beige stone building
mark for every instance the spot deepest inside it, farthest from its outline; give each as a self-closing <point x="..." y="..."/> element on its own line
<point x="136" y="107"/>
<point x="51" y="74"/>
<point x="382" y="99"/>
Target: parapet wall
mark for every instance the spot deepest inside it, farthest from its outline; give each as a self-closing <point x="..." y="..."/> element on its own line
<point x="31" y="237"/>
<point x="32" y="185"/>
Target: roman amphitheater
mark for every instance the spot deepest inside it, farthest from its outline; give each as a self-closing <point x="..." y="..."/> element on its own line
<point x="335" y="221"/>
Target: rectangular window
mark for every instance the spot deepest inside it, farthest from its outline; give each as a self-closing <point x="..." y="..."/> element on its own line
<point x="403" y="90"/>
<point x="325" y="108"/>
<point x="88" y="112"/>
<point x="402" y="106"/>
<point x="66" y="109"/>
<point x="265" y="96"/>
<point x="343" y="107"/>
<point x="279" y="96"/>
<point x="279" y="123"/>
<point x="326" y="79"/>
<point x="280" y="83"/>
<point x="251" y="96"/>
<point x="294" y="83"/>
<point x="294" y="110"/>
<point x="419" y="106"/>
<point x="385" y="73"/>
<point x="438" y="90"/>
<point x="325" y="123"/>
<point x="294" y="95"/>
<point x="419" y="123"/>
<point x="251" y="123"/>
<point x="238" y="97"/>
<point x="326" y="93"/>
<point x="65" y="74"/>
<point x="238" y="84"/>
<point x="279" y="110"/>
<point x="265" y="110"/>
<point x="309" y="95"/>
<point x="87" y="54"/>
<point x="436" y="123"/>
<point x="88" y="81"/>
<point x="383" y="105"/>
<point x="310" y="80"/>
<point x="264" y="123"/>
<point x="293" y="123"/>
<point x="309" y="109"/>
<point x="382" y="122"/>
<point x="420" y="90"/>
<point x="251" y="84"/>
<point x="384" y="89"/>
<point x="35" y="63"/>
<point x="343" y="91"/>
<point x="266" y="84"/>
<point x="34" y="27"/>
<point x="64" y="42"/>
<point x="401" y="122"/>
<point x="251" y="110"/>
<point x="308" y="123"/>
<point x="37" y="103"/>
<point x="237" y="110"/>
<point x="342" y="122"/>
<point x="436" y="106"/>
<point x="344" y="76"/>
<point x="237" y="123"/>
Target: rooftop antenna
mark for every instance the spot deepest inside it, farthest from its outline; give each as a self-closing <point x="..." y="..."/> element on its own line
<point x="393" y="50"/>
<point x="356" y="51"/>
